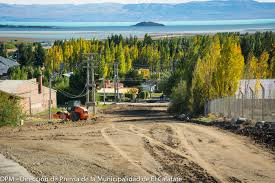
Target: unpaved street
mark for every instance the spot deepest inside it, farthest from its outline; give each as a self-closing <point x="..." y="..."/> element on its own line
<point x="137" y="141"/>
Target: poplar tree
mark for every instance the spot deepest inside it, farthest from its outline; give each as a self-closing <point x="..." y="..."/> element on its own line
<point x="251" y="67"/>
<point x="230" y="67"/>
<point x="262" y="68"/>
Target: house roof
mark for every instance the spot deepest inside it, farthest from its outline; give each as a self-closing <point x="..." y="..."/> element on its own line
<point x="5" y="64"/>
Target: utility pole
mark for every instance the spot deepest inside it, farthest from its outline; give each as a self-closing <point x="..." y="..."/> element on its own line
<point x="17" y="56"/>
<point x="92" y="84"/>
<point x="104" y="95"/>
<point x="88" y="83"/>
<point x="116" y="82"/>
<point x="93" y="89"/>
<point x="50" y="98"/>
<point x="151" y="80"/>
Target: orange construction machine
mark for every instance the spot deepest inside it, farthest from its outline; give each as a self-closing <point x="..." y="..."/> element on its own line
<point x="75" y="112"/>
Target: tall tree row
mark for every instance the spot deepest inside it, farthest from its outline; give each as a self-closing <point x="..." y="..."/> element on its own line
<point x="206" y="66"/>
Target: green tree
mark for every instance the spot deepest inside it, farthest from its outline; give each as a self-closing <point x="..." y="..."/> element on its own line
<point x="40" y="55"/>
<point x="179" y="98"/>
<point x="272" y="67"/>
<point x="147" y="40"/>
<point x="121" y="60"/>
<point x="3" y="50"/>
<point x="203" y="88"/>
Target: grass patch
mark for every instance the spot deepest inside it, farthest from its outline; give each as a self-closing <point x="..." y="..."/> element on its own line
<point x="207" y="119"/>
<point x="40" y="120"/>
<point x="46" y="112"/>
<point x="155" y="95"/>
<point x="102" y="106"/>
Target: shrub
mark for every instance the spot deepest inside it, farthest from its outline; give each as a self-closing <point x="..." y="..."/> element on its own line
<point x="10" y="110"/>
<point x="144" y="95"/>
<point x="179" y="99"/>
<point x="147" y="94"/>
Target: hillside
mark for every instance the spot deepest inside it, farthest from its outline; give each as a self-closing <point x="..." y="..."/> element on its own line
<point x="210" y="10"/>
<point x="148" y="24"/>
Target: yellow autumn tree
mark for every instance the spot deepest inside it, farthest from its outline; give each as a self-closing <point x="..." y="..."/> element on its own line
<point x="262" y="68"/>
<point x="251" y="67"/>
<point x="230" y="67"/>
<point x="203" y="87"/>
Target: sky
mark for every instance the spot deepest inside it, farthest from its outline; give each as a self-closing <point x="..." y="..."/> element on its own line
<point x="100" y="1"/>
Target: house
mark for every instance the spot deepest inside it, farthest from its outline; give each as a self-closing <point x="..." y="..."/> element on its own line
<point x="5" y="64"/>
<point x="110" y="92"/>
<point x="148" y="87"/>
<point x="33" y="96"/>
<point x="260" y="88"/>
<point x="145" y="73"/>
<point x="109" y="84"/>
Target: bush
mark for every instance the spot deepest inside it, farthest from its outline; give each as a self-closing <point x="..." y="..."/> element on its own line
<point x="179" y="99"/>
<point x="144" y="95"/>
<point x="10" y="111"/>
<point x="126" y="99"/>
<point x="10" y="46"/>
<point x="147" y="93"/>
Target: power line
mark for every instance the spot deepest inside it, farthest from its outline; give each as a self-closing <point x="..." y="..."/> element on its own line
<point x="69" y="95"/>
<point x="79" y="96"/>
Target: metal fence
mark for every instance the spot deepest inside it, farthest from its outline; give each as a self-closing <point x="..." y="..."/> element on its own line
<point x="249" y="104"/>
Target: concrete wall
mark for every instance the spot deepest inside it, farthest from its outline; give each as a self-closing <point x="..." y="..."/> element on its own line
<point x="32" y="101"/>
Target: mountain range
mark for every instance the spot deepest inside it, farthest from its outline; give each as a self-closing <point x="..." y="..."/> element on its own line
<point x="108" y="12"/>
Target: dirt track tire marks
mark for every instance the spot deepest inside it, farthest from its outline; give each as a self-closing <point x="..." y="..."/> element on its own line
<point x="236" y="159"/>
<point x="195" y="155"/>
<point x="191" y="152"/>
<point x="149" y="139"/>
<point x="177" y="154"/>
<point x="166" y="147"/>
<point x="123" y="154"/>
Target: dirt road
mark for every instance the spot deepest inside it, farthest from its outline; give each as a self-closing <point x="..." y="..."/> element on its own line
<point x="136" y="142"/>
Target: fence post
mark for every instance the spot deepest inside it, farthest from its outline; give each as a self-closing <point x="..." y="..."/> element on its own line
<point x="252" y="102"/>
<point x="271" y="104"/>
<point x="229" y="107"/>
<point x="220" y="106"/>
<point x="224" y="102"/>
<point x="236" y="106"/>
<point x="263" y="96"/>
<point x="206" y="108"/>
<point x="242" y="101"/>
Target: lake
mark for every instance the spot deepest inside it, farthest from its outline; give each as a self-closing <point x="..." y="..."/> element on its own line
<point x="101" y="30"/>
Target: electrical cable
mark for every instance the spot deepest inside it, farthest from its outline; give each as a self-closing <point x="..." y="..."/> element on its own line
<point x="69" y="95"/>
